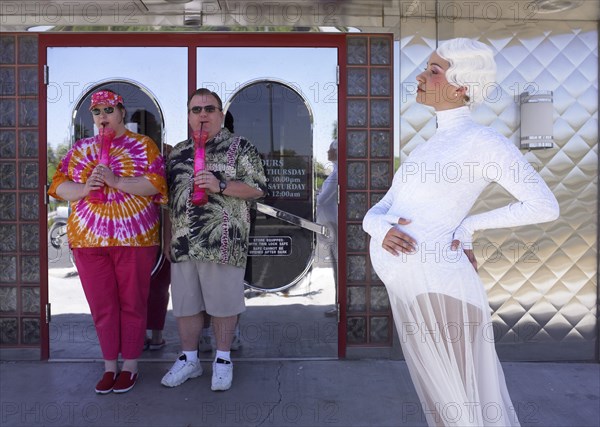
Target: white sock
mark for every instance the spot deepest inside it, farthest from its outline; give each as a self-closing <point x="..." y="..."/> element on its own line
<point x="191" y="356"/>
<point x="225" y="355"/>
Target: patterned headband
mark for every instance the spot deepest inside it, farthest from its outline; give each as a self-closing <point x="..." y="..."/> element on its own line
<point x="106" y="97"/>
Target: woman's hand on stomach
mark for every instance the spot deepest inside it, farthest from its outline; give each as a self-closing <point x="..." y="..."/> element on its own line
<point x="397" y="242"/>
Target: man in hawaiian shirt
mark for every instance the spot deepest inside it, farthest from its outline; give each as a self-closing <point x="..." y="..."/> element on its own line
<point x="209" y="243"/>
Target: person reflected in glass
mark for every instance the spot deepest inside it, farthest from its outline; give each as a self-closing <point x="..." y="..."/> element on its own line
<point x="209" y="244"/>
<point x="417" y="231"/>
<point x="158" y="298"/>
<point x="158" y="303"/>
<point x="115" y="243"/>
<point x="327" y="215"/>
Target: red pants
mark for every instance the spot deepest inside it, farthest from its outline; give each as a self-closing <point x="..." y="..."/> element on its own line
<point x="159" y="297"/>
<point x="116" y="281"/>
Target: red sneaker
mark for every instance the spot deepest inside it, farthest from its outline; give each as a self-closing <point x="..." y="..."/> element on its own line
<point x="106" y="384"/>
<point x="125" y="382"/>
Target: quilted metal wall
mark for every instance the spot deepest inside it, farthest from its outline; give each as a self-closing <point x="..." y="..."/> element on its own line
<point x="541" y="280"/>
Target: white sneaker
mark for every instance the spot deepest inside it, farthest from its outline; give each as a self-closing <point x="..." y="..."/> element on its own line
<point x="236" y="343"/>
<point x="222" y="375"/>
<point x="181" y="371"/>
<point x="205" y="344"/>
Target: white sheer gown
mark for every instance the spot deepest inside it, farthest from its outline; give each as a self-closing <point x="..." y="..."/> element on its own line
<point x="439" y="304"/>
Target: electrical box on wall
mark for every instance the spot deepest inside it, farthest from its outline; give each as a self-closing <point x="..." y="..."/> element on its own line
<point x="537" y="120"/>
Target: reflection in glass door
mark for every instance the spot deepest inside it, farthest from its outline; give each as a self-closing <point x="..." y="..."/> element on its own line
<point x="290" y="115"/>
<point x="155" y="106"/>
<point x="298" y="321"/>
<point x="277" y="119"/>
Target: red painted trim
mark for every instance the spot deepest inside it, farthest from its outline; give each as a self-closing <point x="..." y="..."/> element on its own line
<point x="192" y="41"/>
<point x="192" y="72"/>
<point x="113" y="39"/>
<point x="271" y="40"/>
<point x="43" y="223"/>
<point x="199" y="40"/>
<point x="342" y="211"/>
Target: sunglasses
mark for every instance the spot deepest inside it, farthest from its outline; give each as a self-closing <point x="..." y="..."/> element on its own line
<point x="207" y="108"/>
<point x="107" y="110"/>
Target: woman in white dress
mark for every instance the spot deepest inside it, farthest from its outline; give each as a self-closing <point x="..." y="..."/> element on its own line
<point x="439" y="304"/>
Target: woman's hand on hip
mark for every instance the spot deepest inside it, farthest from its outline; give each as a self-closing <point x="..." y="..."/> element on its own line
<point x="468" y="252"/>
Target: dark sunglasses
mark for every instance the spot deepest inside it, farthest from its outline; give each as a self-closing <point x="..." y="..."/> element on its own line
<point x="207" y="108"/>
<point x="107" y="110"/>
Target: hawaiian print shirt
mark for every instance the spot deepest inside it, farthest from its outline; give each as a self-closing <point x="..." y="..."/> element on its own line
<point x="219" y="230"/>
<point x="124" y="219"/>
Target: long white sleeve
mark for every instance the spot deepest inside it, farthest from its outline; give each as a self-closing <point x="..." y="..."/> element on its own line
<point x="377" y="222"/>
<point x="506" y="166"/>
<point x="440" y="181"/>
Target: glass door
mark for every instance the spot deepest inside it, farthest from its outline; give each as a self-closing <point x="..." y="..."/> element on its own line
<point x="279" y="122"/>
<point x="156" y="106"/>
<point x="289" y="112"/>
<point x="292" y="275"/>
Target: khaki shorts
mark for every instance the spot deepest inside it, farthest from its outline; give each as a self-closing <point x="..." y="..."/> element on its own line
<point x="199" y="286"/>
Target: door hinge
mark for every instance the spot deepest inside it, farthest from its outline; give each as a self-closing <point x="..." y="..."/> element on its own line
<point x="338" y="194"/>
<point x="48" y="313"/>
<point x="46" y="74"/>
<point x="337" y="74"/>
<point x="46" y="197"/>
<point x="339" y="315"/>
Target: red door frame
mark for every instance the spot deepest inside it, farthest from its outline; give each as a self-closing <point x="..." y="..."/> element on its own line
<point x="193" y="41"/>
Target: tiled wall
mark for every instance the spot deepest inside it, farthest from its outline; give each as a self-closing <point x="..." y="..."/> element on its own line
<point x="19" y="182"/>
<point x="369" y="151"/>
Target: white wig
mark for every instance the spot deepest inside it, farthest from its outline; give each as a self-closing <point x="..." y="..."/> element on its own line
<point x="472" y="66"/>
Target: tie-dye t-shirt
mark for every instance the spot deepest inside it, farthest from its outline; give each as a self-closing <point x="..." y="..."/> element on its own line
<point x="125" y="219"/>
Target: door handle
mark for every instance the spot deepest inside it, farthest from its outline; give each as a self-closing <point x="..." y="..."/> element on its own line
<point x="292" y="219"/>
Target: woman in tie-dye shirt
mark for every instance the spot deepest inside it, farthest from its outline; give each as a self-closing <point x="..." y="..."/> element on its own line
<point x="115" y="242"/>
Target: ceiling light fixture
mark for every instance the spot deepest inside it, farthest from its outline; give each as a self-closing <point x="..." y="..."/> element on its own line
<point x="40" y="28"/>
<point x="553" y="6"/>
<point x="192" y="19"/>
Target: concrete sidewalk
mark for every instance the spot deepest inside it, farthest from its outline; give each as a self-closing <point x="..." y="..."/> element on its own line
<point x="279" y="393"/>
